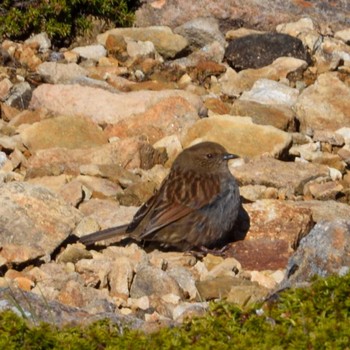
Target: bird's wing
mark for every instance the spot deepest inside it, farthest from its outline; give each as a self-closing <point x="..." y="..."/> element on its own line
<point x="170" y="205"/>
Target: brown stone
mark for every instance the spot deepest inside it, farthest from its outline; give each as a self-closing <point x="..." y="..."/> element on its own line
<point x="239" y="135"/>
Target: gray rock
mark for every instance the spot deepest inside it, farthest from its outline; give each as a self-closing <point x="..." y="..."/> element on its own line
<point x="201" y="31"/>
<point x="33" y="221"/>
<point x="54" y="73"/>
<point x="234" y="13"/>
<point x="42" y="39"/>
<point x="153" y="281"/>
<point x="92" y="52"/>
<point x="323" y="252"/>
<point x="37" y="309"/>
<point x="271" y="92"/>
<point x="20" y="96"/>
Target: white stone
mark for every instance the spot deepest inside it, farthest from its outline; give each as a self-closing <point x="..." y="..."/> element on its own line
<point x="267" y="91"/>
<point x="93" y="52"/>
<point x="345" y="132"/>
<point x="335" y="174"/>
<point x="41" y="39"/>
<point x="343" y="35"/>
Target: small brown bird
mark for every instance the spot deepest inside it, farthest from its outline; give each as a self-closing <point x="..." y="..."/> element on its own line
<point x="195" y="208"/>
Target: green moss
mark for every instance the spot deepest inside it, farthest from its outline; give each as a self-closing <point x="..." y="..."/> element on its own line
<point x="61" y="19"/>
<point x="314" y="318"/>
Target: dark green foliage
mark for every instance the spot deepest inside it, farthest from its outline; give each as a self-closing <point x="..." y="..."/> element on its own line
<point x="61" y="19"/>
<point x="314" y="318"/>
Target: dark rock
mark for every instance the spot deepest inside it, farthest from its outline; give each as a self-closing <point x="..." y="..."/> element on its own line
<point x="259" y="50"/>
<point x="21" y="95"/>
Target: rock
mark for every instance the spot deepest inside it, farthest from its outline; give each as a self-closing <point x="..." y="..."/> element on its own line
<point x="233" y="84"/>
<point x="5" y="88"/>
<point x="247" y="295"/>
<point x="252" y="14"/>
<point x="186" y="311"/>
<point x="278" y="220"/>
<point x="260" y="50"/>
<point x="274" y="231"/>
<point x="35" y="309"/>
<point x="102" y="106"/>
<point x="94" y="272"/>
<point x="107" y="213"/>
<point x="185" y="280"/>
<point x="241" y="32"/>
<point x="72" y="193"/>
<point x="74" y="294"/>
<point x="56" y="161"/>
<point x="42" y="219"/>
<point x="261" y="254"/>
<point x="120" y="277"/>
<point x="239" y="136"/>
<point x="227" y="267"/>
<point x="172" y="145"/>
<point x="324" y="105"/>
<point x="99" y="187"/>
<point x="326" y="190"/>
<point x="60" y="73"/>
<point x="270" y="92"/>
<point x="137" y="193"/>
<point x="343" y="35"/>
<point x="332" y="54"/>
<point x="153" y="281"/>
<point x="74" y="253"/>
<point x="171" y="260"/>
<point x="140" y="48"/>
<point x="21" y="93"/>
<point x="221" y="287"/>
<point x="280" y="116"/>
<point x="91" y="52"/>
<point x="296" y="28"/>
<point x="289" y="176"/>
<point x="323" y="252"/>
<point x="42" y="40"/>
<point x="200" y="32"/>
<point x="328" y="210"/>
<point x="172" y="115"/>
<point x="165" y="41"/>
<point x="53" y="183"/>
<point x="344" y="133"/>
<point x="67" y="132"/>
<point x="303" y="29"/>
<point x="213" y="52"/>
<point x="333" y="138"/>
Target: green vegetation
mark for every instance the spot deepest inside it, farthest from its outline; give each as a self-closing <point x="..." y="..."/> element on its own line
<point x="61" y="19"/>
<point x="314" y="318"/>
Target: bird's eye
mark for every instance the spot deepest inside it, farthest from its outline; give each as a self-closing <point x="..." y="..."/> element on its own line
<point x="209" y="155"/>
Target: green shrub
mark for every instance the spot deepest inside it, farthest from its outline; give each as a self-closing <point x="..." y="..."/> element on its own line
<point x="313" y="318"/>
<point x="61" y="19"/>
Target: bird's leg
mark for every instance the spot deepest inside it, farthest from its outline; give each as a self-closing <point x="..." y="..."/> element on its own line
<point x="217" y="252"/>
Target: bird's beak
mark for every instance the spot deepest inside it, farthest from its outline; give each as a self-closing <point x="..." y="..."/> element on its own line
<point x="228" y="156"/>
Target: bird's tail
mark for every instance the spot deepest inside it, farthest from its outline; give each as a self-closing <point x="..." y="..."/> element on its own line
<point x="103" y="234"/>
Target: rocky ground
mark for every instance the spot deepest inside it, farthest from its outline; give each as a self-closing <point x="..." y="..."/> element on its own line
<point x="88" y="133"/>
